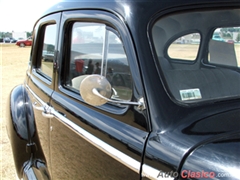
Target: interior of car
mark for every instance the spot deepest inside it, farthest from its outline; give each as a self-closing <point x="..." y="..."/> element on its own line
<point x="196" y="66"/>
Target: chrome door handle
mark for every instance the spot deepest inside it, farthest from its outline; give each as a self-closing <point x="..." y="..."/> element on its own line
<point x="47" y="115"/>
<point x="39" y="108"/>
<point x="46" y="110"/>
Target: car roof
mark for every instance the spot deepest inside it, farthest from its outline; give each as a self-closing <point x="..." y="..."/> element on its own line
<point x="126" y="8"/>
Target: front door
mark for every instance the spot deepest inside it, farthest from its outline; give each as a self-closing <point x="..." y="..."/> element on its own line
<point x="102" y="142"/>
<point x="41" y="78"/>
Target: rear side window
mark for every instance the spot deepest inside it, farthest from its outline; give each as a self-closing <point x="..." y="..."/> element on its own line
<point x="224" y="47"/>
<point x="47" y="53"/>
<point x="97" y="49"/>
<point x="185" y="47"/>
<point x="198" y="55"/>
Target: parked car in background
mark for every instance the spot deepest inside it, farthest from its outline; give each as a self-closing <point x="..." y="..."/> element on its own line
<point x="180" y="40"/>
<point x="23" y="43"/>
<point x="6" y="40"/>
<point x="231" y="41"/>
<point x="12" y="40"/>
<point x="218" y="38"/>
<point x="109" y="94"/>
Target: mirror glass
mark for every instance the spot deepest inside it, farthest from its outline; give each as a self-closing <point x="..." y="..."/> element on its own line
<point x="101" y="84"/>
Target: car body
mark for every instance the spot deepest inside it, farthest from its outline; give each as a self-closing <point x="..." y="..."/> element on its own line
<point x="12" y="40"/>
<point x="158" y="109"/>
<point x="218" y="38"/>
<point x="24" y="42"/>
<point x="6" y="40"/>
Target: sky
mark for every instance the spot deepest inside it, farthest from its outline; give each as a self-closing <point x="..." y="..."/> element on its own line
<point x="21" y="15"/>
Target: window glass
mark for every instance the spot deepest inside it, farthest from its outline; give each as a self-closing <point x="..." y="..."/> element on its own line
<point x="224" y="48"/>
<point x="86" y="51"/>
<point x="97" y="49"/>
<point x="198" y="69"/>
<point x="46" y="67"/>
<point x="118" y="72"/>
<point x="185" y="47"/>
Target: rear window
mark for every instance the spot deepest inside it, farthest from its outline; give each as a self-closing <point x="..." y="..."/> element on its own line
<point x="199" y="55"/>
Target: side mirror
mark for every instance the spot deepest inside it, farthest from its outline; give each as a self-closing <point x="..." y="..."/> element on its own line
<point x="96" y="90"/>
<point x="97" y="83"/>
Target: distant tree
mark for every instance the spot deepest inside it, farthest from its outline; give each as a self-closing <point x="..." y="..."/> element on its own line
<point x="29" y="34"/>
<point x="8" y="34"/>
<point x="3" y="34"/>
<point x="224" y="30"/>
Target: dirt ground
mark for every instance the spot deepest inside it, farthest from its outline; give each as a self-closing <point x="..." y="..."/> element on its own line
<point x="13" y="66"/>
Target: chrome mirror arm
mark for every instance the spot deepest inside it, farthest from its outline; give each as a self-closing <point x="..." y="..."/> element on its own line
<point x="140" y="103"/>
<point x="114" y="92"/>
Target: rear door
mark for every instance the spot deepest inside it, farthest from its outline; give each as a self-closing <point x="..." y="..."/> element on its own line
<point x="41" y="77"/>
<point x="103" y="142"/>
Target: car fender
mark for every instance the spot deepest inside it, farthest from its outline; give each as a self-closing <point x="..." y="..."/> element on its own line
<point x="215" y="159"/>
<point x="21" y="130"/>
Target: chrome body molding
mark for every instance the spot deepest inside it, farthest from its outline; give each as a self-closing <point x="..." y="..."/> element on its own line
<point x="153" y="173"/>
<point x="106" y="148"/>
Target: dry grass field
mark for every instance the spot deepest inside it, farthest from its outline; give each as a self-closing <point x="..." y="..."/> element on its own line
<point x="13" y="65"/>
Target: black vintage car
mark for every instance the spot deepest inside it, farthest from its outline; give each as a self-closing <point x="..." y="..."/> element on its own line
<point x="130" y="90"/>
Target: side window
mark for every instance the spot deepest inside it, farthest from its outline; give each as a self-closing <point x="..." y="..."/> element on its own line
<point x="224" y="47"/>
<point x="188" y="69"/>
<point x="86" y="49"/>
<point x="117" y="69"/>
<point x="185" y="47"/>
<point x="97" y="49"/>
<point x="46" y="67"/>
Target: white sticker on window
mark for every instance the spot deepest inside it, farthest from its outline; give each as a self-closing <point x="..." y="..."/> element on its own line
<point x="190" y="94"/>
